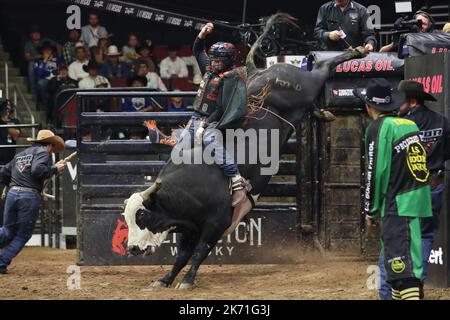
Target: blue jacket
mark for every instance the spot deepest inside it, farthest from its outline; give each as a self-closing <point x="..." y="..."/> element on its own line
<point x="46" y="70"/>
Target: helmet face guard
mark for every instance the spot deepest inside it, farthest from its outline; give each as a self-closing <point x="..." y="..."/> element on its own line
<point x="223" y="51"/>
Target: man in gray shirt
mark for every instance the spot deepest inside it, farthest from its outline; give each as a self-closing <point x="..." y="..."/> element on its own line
<point x="91" y="33"/>
<point x="25" y="176"/>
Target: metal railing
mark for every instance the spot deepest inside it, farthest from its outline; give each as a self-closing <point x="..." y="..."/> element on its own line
<point x="17" y="93"/>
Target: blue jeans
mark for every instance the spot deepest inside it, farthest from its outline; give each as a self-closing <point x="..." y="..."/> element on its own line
<point x="21" y="213"/>
<point x="42" y="91"/>
<point x="211" y="139"/>
<point x="31" y="76"/>
<point x="429" y="231"/>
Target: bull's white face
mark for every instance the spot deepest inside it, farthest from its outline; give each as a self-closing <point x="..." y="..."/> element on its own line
<point x="143" y="239"/>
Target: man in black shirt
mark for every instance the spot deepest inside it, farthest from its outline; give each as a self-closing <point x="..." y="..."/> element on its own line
<point x="25" y="176"/>
<point x="344" y="23"/>
<point x="435" y="138"/>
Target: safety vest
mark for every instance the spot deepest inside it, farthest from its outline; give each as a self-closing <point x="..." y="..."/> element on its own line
<point x="207" y="98"/>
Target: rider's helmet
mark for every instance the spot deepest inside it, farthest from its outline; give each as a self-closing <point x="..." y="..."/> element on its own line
<point x="223" y="51"/>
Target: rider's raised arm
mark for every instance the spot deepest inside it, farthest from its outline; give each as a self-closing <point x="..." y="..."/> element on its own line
<point x="200" y="54"/>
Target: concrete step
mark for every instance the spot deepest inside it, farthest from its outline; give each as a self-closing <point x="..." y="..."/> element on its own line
<point x="9" y="63"/>
<point x="4" y="55"/>
<point x="39" y="116"/>
<point x="22" y="86"/>
<point x="13" y="72"/>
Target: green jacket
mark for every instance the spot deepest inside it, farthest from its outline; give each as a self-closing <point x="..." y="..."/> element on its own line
<point x="396" y="169"/>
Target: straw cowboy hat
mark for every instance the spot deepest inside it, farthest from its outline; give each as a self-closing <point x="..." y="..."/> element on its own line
<point x="47" y="136"/>
<point x="113" y="51"/>
<point x="446" y="28"/>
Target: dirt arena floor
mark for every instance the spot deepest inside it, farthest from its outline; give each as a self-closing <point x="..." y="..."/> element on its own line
<point x="41" y="273"/>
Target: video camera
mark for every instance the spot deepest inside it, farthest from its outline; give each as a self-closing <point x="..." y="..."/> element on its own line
<point x="407" y="25"/>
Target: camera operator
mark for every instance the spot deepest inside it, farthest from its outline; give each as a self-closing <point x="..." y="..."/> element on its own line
<point x="422" y="22"/>
<point x="344" y="23"/>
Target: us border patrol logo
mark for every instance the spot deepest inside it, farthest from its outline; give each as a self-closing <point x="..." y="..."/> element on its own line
<point x="416" y="158"/>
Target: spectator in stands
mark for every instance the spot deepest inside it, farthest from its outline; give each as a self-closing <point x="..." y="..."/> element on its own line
<point x="191" y="62"/>
<point x="176" y="104"/>
<point x="173" y="66"/>
<point x="428" y="25"/>
<point x="129" y="51"/>
<point x="76" y="71"/>
<point x="145" y="53"/>
<point x="139" y="133"/>
<point x="94" y="80"/>
<point x="154" y="82"/>
<point x="8" y="136"/>
<point x="446" y="28"/>
<point x="96" y="55"/>
<point x="31" y="53"/>
<point x="112" y="68"/>
<point x="68" y="51"/>
<point x="344" y="23"/>
<point x="57" y="84"/>
<point x="45" y="69"/>
<point x="91" y="33"/>
<point x="141" y="104"/>
<point x="103" y="44"/>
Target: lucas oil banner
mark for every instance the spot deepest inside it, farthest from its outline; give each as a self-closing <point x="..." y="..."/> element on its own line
<point x="374" y="65"/>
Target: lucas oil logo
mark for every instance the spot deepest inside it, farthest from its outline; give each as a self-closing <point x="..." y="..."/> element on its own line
<point x="416" y="158"/>
<point x="23" y="162"/>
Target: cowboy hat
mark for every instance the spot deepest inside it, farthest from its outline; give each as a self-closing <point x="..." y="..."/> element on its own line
<point x="113" y="51"/>
<point x="380" y="95"/>
<point x="414" y="89"/>
<point x="91" y="65"/>
<point x="47" y="136"/>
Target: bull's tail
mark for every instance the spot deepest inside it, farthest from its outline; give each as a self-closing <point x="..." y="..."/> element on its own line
<point x="278" y="18"/>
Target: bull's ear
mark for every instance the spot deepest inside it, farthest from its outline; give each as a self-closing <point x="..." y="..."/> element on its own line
<point x="123" y="214"/>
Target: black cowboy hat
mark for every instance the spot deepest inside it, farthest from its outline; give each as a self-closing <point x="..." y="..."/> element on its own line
<point x="91" y="65"/>
<point x="143" y="80"/>
<point x="380" y="95"/>
<point x="414" y="89"/>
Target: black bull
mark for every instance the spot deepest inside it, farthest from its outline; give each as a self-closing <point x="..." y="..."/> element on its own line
<point x="194" y="199"/>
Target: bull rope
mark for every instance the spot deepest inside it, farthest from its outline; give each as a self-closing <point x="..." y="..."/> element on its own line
<point x="256" y="103"/>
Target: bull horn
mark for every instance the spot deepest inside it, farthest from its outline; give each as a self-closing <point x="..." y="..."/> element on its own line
<point x="153" y="188"/>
